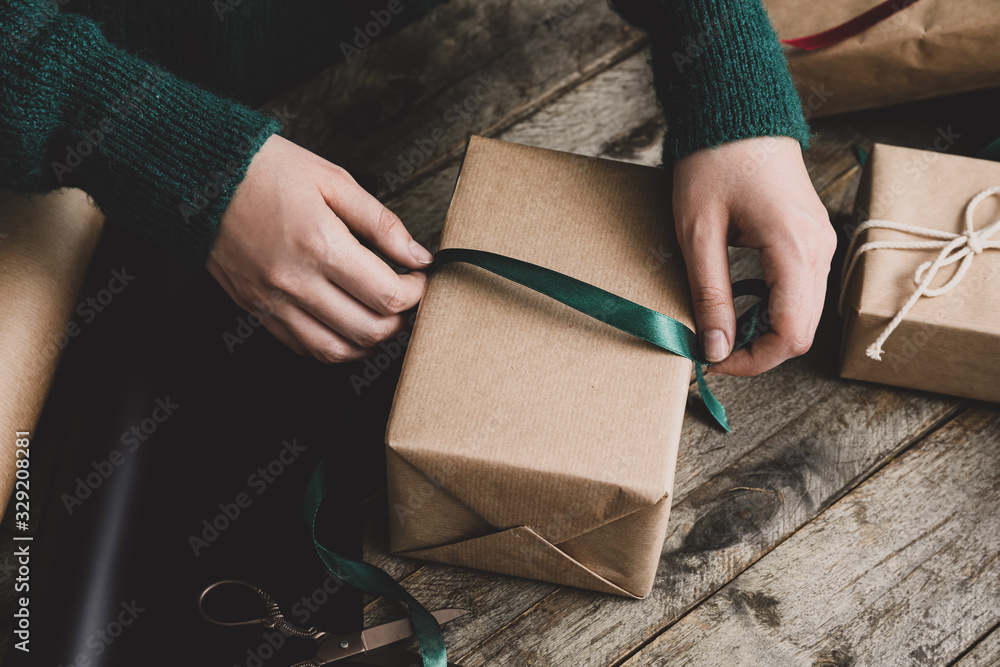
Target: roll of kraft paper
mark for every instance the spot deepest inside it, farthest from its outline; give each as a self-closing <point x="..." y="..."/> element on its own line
<point x="83" y="500"/>
<point x="46" y="243"/>
<point x="121" y="560"/>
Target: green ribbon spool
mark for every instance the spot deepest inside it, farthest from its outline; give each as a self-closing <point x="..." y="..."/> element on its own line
<point x="628" y="316"/>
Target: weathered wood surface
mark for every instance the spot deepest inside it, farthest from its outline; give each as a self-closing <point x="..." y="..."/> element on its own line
<point x="724" y="526"/>
<point x="571" y="76"/>
<point x="804" y="438"/>
<point x="788" y="391"/>
<point x="401" y="91"/>
<point x="984" y="654"/>
<point x="903" y="571"/>
<point x="614" y="115"/>
<point x="614" y="111"/>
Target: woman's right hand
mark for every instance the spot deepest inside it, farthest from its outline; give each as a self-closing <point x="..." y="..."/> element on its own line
<point x="286" y="248"/>
<point x="753" y="193"/>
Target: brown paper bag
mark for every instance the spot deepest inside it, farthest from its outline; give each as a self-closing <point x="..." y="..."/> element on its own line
<point x="525" y="437"/>
<point x="928" y="49"/>
<point x="948" y="343"/>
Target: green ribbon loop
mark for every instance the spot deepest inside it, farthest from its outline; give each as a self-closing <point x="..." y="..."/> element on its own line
<point x="628" y="316"/>
<point x="371" y="579"/>
<point x="991" y="151"/>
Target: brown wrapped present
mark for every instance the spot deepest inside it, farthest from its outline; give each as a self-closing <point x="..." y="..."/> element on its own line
<point x="525" y="437"/>
<point x="927" y="49"/>
<point x="919" y="294"/>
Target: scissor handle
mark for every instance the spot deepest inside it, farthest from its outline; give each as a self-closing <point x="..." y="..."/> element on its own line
<point x="274" y="618"/>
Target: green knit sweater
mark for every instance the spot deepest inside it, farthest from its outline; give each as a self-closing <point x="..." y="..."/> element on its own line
<point x="719" y="72"/>
<point x="134" y="101"/>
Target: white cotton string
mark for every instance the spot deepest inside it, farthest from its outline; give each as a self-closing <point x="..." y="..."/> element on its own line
<point x="954" y="248"/>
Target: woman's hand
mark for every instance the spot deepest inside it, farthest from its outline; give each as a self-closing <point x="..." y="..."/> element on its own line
<point x="286" y="247"/>
<point x="753" y="193"/>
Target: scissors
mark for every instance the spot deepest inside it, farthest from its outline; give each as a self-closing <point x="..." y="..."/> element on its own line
<point x="332" y="648"/>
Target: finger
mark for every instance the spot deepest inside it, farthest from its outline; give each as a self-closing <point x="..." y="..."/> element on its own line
<point x="791" y="314"/>
<point x="340" y="311"/>
<point x="362" y="274"/>
<point x="366" y="216"/>
<point x="707" y="260"/>
<point x="819" y="296"/>
<point x="321" y="342"/>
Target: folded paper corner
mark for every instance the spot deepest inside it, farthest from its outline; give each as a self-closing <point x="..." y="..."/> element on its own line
<point x="522" y="552"/>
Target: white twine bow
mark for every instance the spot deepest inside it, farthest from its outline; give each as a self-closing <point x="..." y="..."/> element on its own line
<point x="954" y="247"/>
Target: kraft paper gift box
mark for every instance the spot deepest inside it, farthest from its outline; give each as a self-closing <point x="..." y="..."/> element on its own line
<point x="527" y="438"/>
<point x="928" y="49"/>
<point x="948" y="343"/>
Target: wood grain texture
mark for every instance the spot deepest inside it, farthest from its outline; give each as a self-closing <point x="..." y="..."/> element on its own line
<point x="725" y="525"/>
<point x="904" y="571"/>
<point x="590" y="119"/>
<point x="572" y="77"/>
<point x="760" y="407"/>
<point x="614" y="115"/>
<point x="984" y="654"/>
<point x="402" y="91"/>
<point x="705" y="449"/>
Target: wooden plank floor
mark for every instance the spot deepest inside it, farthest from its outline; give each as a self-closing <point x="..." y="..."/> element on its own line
<point x="841" y="523"/>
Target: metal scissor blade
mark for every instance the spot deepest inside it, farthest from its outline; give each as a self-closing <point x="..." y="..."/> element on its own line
<point x="391" y="657"/>
<point x="387" y="633"/>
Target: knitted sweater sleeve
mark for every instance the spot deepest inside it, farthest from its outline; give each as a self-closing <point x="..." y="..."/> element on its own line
<point x="155" y="153"/>
<point x="718" y="71"/>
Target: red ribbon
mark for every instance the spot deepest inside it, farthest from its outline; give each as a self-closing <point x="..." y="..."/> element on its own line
<point x="858" y="24"/>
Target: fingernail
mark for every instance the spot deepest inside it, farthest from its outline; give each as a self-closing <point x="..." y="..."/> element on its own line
<point x="715" y="344"/>
<point x="420" y="253"/>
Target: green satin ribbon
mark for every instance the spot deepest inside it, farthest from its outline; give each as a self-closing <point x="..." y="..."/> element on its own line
<point x="371" y="579"/>
<point x="628" y="316"/>
<point x="990" y="152"/>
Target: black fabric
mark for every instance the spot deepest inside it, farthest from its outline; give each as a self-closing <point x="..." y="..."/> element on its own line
<point x="161" y="339"/>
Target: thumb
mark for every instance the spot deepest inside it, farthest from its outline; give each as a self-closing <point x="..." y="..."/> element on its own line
<point x="707" y="261"/>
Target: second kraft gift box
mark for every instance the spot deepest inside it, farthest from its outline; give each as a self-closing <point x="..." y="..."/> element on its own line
<point x="925" y="216"/>
<point x="527" y="438"/>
